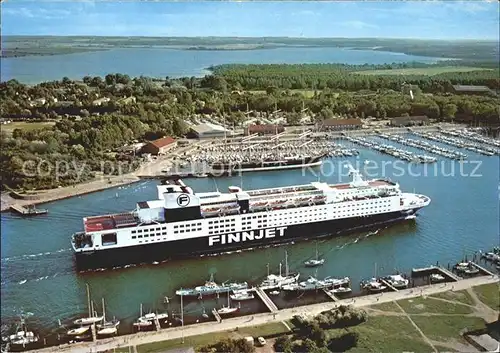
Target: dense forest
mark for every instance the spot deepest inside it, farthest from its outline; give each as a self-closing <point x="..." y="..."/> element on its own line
<point x="94" y="118"/>
<point x="350" y="77"/>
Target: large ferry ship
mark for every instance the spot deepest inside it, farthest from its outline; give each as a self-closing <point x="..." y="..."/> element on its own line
<point x="183" y="223"/>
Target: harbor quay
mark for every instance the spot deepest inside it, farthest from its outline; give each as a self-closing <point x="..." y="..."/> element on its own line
<point x="178" y="333"/>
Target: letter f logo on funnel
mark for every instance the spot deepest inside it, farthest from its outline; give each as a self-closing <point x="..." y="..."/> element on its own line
<point x="183" y="200"/>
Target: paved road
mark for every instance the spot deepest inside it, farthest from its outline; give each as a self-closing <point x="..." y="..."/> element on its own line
<point x="259" y="319"/>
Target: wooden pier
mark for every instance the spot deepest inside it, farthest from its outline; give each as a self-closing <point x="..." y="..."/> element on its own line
<point x="449" y="274"/>
<point x="435" y="269"/>
<point x="217" y="316"/>
<point x="481" y="268"/>
<point x="267" y="301"/>
<point x="157" y="324"/>
<point x="390" y="286"/>
<point x="94" y="333"/>
<point x="28" y="211"/>
<point x="330" y="295"/>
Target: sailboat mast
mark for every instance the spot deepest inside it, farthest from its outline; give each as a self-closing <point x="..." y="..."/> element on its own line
<point x="103" y="311"/>
<point x="141" y="310"/>
<point x="92" y="305"/>
<point x="316" y="251"/>
<point x="268" y="269"/>
<point x="286" y="263"/>
<point x="88" y="299"/>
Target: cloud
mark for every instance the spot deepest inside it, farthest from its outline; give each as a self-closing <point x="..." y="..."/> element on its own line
<point x="358" y="25"/>
<point x="46" y="14"/>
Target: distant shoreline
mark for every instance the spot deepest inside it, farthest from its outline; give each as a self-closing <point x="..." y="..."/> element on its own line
<point x="23" y="46"/>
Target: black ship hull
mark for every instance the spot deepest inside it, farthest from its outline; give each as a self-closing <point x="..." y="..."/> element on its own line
<point x="158" y="252"/>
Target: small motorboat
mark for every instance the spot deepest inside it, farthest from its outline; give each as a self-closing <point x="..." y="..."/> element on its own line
<point x="241" y="295"/>
<point x="22" y="336"/>
<point x="374" y="286"/>
<point x="341" y="290"/>
<point x="436" y="278"/>
<point x="78" y="331"/>
<point x="143" y="323"/>
<point x="275" y="292"/>
<point x="108" y="331"/>
<point x="227" y="310"/>
<point x="397" y="281"/>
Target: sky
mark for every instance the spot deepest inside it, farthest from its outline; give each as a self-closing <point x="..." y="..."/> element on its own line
<point x="445" y="19"/>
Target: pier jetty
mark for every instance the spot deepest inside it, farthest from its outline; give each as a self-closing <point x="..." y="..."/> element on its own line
<point x="261" y="319"/>
<point x="390" y="286"/>
<point x="266" y="300"/>
<point x="330" y="295"/>
<point x="28" y="211"/>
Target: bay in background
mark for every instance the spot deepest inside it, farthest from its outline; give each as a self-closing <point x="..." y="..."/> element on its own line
<point x="161" y="62"/>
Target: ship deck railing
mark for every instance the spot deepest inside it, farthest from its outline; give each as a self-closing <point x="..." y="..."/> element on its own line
<point x="282" y="190"/>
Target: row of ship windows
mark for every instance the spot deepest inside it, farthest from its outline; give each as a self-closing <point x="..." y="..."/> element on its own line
<point x="148" y="235"/>
<point x="221" y="221"/>
<point x="149" y="230"/>
<point x="146" y="241"/>
<point x="192" y="225"/>
<point x="187" y="230"/>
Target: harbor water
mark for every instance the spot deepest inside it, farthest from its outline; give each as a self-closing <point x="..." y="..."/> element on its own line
<point x="37" y="266"/>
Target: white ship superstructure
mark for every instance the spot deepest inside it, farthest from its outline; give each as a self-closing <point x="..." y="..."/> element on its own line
<point x="182" y="223"/>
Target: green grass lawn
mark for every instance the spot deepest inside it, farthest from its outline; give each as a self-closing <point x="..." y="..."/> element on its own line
<point x="443" y="328"/>
<point x="489" y="294"/>
<point x="444" y="349"/>
<point x="428" y="305"/>
<point x="387" y="334"/>
<point x="429" y="71"/>
<point x="389" y="306"/>
<point x="23" y="125"/>
<point x="210" y="338"/>
<point x="459" y="296"/>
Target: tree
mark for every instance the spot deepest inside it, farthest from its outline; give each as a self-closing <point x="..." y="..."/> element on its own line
<point x="283" y="344"/>
<point x="449" y="110"/>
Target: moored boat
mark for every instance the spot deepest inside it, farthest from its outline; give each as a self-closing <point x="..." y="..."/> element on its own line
<point x="241" y="295"/>
<point x="397" y="281"/>
<point x="211" y="288"/>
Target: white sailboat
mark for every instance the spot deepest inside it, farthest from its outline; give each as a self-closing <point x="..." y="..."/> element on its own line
<point x="315" y="262"/>
<point x="107" y="328"/>
<point x="91" y="319"/>
<point x="273" y="281"/>
<point x="143" y="321"/>
<point x="225" y="310"/>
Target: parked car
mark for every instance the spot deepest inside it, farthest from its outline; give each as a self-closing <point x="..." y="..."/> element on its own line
<point x="262" y="341"/>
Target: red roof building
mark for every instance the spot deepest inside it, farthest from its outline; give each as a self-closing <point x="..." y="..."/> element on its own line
<point x="160" y="146"/>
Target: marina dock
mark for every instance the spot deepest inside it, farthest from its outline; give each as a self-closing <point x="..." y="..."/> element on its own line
<point x="390" y="286"/>
<point x="216" y="315"/>
<point x="266" y="300"/>
<point x="330" y="295"/>
<point x="28" y="211"/>
<point x="482" y="269"/>
<point x="426" y="271"/>
<point x="261" y="319"/>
